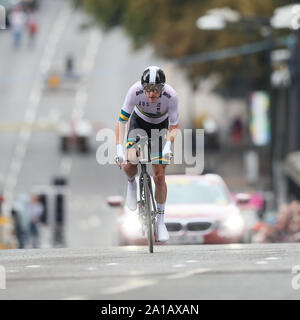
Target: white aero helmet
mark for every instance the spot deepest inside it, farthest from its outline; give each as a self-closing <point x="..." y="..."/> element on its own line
<point x="153" y="75"/>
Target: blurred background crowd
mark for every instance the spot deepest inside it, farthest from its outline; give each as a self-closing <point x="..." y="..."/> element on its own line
<point x="235" y="65"/>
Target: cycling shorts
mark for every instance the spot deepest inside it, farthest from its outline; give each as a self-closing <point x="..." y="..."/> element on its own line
<point x="158" y="140"/>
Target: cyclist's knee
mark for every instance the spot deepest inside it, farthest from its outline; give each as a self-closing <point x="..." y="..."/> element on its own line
<point x="130" y="168"/>
<point x="132" y="157"/>
<point x="159" y="177"/>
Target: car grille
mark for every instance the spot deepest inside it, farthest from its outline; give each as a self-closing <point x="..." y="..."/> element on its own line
<point x="173" y="226"/>
<point x="198" y="226"/>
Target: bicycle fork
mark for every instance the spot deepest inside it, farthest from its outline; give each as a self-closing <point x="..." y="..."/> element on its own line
<point x="141" y="203"/>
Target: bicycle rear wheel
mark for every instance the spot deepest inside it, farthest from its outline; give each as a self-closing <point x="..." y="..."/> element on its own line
<point x="148" y="213"/>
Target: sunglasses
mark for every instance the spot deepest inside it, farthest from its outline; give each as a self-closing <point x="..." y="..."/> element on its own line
<point x="153" y="87"/>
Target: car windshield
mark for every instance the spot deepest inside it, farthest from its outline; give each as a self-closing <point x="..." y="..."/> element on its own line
<point x="195" y="192"/>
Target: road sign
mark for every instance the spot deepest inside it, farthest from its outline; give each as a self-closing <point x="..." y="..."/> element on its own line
<point x="260" y="126"/>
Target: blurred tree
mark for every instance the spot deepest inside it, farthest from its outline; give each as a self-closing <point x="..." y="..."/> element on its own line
<point x="170" y="26"/>
<point x="108" y="13"/>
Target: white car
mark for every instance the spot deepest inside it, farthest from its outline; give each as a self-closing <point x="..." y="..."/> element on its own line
<point x="199" y="209"/>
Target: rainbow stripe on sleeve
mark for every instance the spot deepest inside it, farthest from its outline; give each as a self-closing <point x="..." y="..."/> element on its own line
<point x="124" y="116"/>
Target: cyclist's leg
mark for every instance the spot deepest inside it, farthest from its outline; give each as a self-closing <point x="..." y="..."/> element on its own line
<point x="159" y="166"/>
<point x="130" y="167"/>
<point x="136" y="128"/>
<point x="160" y="183"/>
<point x="160" y="197"/>
<point x="131" y="170"/>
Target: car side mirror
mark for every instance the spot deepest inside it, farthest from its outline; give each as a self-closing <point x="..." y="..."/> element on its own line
<point x="115" y="201"/>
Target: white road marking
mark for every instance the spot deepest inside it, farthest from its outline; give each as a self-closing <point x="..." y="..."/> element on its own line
<point x="130" y="285"/>
<point x="178" y="266"/>
<point x="20" y="151"/>
<point x="66" y="165"/>
<point x="89" y="60"/>
<point x="15" y="166"/>
<point x="192" y="261"/>
<point x="33" y="266"/>
<point x="112" y="264"/>
<point x="24" y="136"/>
<point x="187" y="273"/>
<point x="272" y="258"/>
<point x="261" y="262"/>
<point x="91" y="268"/>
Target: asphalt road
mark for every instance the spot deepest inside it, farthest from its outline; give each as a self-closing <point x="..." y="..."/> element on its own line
<point x="172" y="272"/>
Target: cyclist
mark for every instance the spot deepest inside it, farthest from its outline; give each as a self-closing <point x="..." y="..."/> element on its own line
<point x="150" y="104"/>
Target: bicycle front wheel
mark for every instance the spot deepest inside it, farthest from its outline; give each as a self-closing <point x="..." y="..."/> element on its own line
<point x="148" y="213"/>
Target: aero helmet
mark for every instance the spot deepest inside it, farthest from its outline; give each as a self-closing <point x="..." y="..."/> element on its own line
<point x="153" y="75"/>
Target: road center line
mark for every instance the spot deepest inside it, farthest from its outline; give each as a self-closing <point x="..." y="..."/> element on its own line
<point x="33" y="266"/>
<point x="187" y="274"/>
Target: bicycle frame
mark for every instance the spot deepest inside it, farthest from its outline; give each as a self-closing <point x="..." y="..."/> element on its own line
<point x="143" y="164"/>
<point x="145" y="179"/>
<point x="144" y="171"/>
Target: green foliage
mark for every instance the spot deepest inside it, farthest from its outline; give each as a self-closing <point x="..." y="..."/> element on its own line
<point x="108" y="12"/>
<point x="170" y="26"/>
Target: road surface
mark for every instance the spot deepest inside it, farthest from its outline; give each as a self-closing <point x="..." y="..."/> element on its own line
<point x="172" y="272"/>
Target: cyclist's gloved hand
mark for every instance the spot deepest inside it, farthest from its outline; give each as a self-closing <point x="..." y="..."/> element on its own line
<point x="120" y="158"/>
<point x="167" y="152"/>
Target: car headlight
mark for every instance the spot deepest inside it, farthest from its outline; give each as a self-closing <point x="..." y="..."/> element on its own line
<point x="131" y="226"/>
<point x="234" y="224"/>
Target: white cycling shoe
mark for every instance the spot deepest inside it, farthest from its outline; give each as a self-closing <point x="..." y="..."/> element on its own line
<point x="131" y="198"/>
<point x="162" y="232"/>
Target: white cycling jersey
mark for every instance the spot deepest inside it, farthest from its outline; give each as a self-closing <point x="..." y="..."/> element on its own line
<point x="165" y="107"/>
